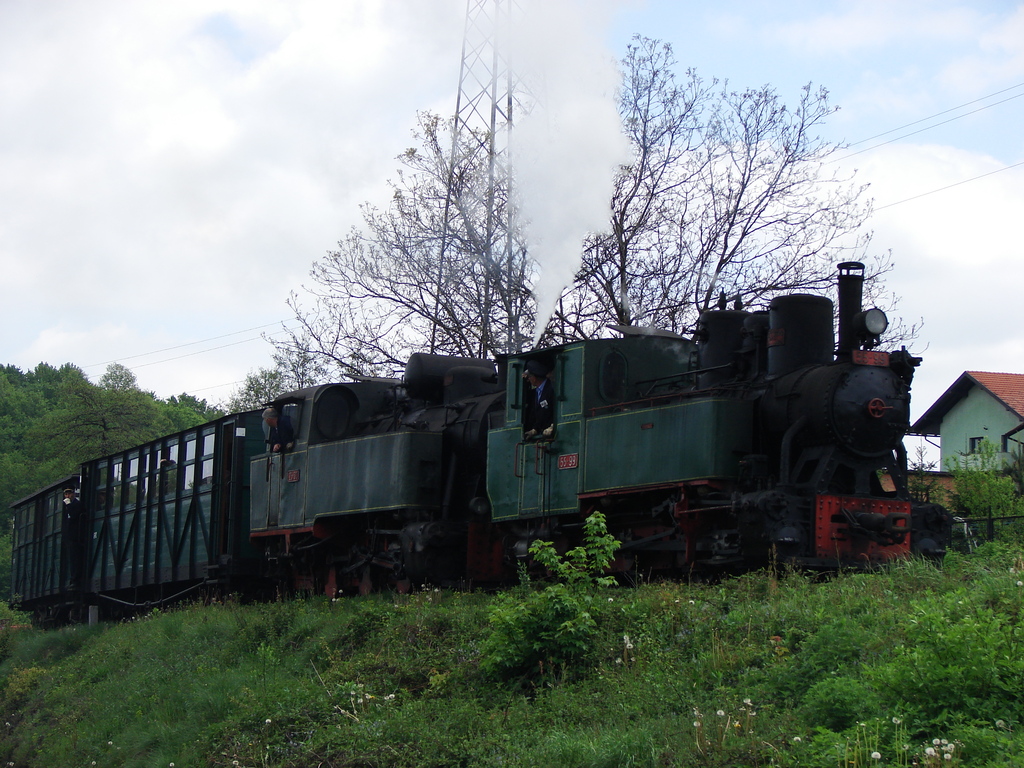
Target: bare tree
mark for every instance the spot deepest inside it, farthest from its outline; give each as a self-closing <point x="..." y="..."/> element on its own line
<point x="432" y="269"/>
<point x="729" y="193"/>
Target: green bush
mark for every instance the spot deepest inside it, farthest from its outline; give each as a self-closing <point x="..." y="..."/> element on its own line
<point x="542" y="633"/>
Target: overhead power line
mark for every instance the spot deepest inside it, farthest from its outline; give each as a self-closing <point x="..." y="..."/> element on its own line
<point x="189" y="344"/>
<point x="198" y="352"/>
<point x="944" y="112"/>
<point x="950" y="186"/>
<point x="922" y="130"/>
<point x="936" y="125"/>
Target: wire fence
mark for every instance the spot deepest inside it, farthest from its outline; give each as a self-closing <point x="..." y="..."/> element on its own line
<point x="970" y="532"/>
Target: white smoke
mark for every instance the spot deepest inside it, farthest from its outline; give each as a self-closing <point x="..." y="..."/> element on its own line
<point x="566" y="150"/>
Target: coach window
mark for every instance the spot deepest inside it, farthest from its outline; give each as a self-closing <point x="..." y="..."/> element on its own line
<point x="209" y="443"/>
<point x="169" y="468"/>
<point x="189" y="462"/>
<point x="116" y="475"/>
<point x="52" y="512"/>
<point x="134" y="483"/>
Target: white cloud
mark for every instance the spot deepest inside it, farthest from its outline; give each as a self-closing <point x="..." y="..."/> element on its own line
<point x="959" y="266"/>
<point x="182" y="164"/>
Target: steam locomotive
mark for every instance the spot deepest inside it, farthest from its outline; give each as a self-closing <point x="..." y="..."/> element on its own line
<point x="762" y="439"/>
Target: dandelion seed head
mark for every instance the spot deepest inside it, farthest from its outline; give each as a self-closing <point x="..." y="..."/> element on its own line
<point x="696" y="723"/>
<point x="896" y="721"/>
<point x="721" y="713"/>
<point x="930" y="751"/>
<point x="947" y="756"/>
<point x="267" y="721"/>
<point x="797" y="739"/>
<point x="876" y="755"/>
<point x="936" y="742"/>
<point x="748" y="702"/>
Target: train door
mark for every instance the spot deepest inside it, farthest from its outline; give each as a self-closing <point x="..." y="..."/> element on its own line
<point x="277" y="482"/>
<point x="536" y="475"/>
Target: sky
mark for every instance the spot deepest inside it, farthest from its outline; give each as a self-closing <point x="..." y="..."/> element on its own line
<point x="169" y="172"/>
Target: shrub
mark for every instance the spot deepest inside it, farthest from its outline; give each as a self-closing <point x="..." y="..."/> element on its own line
<point x="544" y="632"/>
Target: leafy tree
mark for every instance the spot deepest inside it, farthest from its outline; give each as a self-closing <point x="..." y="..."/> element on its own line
<point x="541" y="633"/>
<point x="93" y="421"/>
<point x="26" y="400"/>
<point x="923" y="486"/>
<point x="295" y="367"/>
<point x="259" y="388"/>
<point x="183" y="411"/>
<point x="119" y="378"/>
<point x="980" y="488"/>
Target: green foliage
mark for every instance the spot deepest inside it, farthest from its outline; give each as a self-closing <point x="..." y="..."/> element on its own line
<point x="586" y="563"/>
<point x="764" y="669"/>
<point x="542" y="633"/>
<point x="981" y="489"/>
<point x="53" y="419"/>
<point x="257" y="390"/>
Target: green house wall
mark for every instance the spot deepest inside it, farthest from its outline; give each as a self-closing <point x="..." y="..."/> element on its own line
<point x="978" y="414"/>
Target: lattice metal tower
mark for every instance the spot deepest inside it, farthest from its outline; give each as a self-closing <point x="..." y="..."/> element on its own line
<point x="487" y="101"/>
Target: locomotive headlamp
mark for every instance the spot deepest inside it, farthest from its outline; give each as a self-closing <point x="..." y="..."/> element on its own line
<point x="871" y="322"/>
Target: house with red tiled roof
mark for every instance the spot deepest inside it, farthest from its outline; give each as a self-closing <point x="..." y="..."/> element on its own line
<point x="978" y="406"/>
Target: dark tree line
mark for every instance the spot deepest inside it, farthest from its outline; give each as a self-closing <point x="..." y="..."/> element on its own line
<point x="52" y="419"/>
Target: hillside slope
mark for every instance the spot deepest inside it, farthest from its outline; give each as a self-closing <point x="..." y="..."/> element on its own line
<point x="861" y="669"/>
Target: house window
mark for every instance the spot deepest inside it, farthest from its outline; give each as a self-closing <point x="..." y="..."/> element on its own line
<point x="974" y="444"/>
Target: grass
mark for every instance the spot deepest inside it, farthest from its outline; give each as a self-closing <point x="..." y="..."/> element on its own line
<point x="908" y="666"/>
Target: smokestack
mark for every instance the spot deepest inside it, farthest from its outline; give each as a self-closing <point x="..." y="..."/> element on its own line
<point x="851" y="285"/>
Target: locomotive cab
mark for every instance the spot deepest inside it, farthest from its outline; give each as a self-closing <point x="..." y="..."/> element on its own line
<point x="379" y="486"/>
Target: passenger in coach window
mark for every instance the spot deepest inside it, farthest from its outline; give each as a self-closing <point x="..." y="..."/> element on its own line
<point x="539" y="417"/>
<point x="73" y="526"/>
<point x="280" y="433"/>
